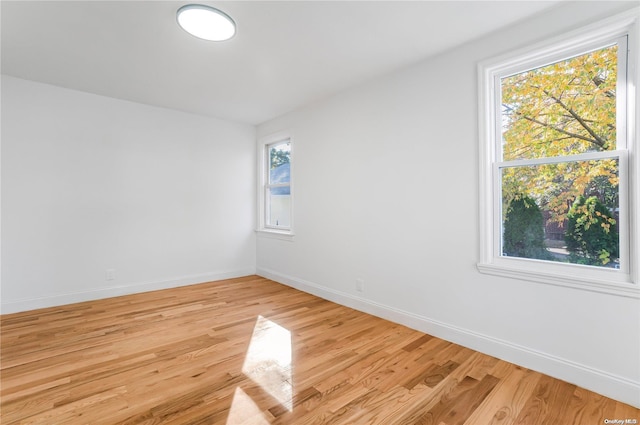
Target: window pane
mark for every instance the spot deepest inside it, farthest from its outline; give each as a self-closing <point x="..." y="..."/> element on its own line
<point x="279" y="163"/>
<point x="564" y="212"/>
<point x="565" y="108"/>
<point x="278" y="207"/>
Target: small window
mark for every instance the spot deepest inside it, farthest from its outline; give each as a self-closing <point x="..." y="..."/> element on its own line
<point x="555" y="184"/>
<point x="278" y="187"/>
<point x="275" y="197"/>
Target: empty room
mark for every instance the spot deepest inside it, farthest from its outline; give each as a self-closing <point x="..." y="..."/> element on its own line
<point x="320" y="212"/>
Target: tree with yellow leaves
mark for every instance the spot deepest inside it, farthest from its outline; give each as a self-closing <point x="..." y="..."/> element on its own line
<point x="562" y="109"/>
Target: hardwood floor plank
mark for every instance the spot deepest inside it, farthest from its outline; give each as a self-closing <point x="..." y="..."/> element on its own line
<point x="433" y="375"/>
<point x="588" y="407"/>
<point x="461" y="403"/>
<point x="251" y="351"/>
<point x="417" y="342"/>
<point x="547" y="404"/>
<point x="505" y="403"/>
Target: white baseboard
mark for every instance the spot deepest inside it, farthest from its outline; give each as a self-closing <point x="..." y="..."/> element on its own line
<point x="115" y="291"/>
<point x="607" y="384"/>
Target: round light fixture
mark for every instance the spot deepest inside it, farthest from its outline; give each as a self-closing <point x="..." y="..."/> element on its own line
<point x="206" y="22"/>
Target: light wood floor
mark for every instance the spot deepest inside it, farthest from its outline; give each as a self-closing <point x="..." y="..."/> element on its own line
<point x="251" y="351"/>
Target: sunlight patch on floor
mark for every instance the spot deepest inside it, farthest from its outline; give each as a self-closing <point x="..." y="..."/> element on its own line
<point x="268" y="360"/>
<point x="245" y="411"/>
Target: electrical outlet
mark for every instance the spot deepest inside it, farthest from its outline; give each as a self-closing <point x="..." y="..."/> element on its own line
<point x="110" y="274"/>
<point x="360" y="284"/>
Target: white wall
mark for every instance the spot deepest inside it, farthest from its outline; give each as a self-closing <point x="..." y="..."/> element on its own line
<point x="386" y="190"/>
<point x="91" y="183"/>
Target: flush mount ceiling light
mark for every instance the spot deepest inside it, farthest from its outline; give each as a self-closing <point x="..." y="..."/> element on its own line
<point x="206" y="22"/>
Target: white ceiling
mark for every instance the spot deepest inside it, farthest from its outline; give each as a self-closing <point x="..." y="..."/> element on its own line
<point x="285" y="54"/>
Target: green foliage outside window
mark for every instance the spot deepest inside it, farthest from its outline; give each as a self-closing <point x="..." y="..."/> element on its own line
<point x="524" y="230"/>
<point x="591" y="234"/>
<point x="280" y="154"/>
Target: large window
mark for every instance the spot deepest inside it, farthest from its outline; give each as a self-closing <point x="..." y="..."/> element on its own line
<point x="557" y="131"/>
<point x="275" y="198"/>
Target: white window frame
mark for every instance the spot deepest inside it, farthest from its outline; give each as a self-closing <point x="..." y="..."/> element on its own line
<point x="625" y="281"/>
<point x="285" y="233"/>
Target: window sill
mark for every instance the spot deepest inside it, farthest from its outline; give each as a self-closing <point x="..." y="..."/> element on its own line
<point x="622" y="289"/>
<point x="283" y="235"/>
